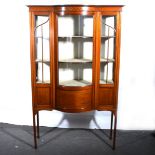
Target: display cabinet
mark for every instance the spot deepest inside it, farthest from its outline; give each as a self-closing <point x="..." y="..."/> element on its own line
<point x="75" y="54"/>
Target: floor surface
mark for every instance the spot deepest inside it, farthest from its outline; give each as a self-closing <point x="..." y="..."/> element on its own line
<point x="18" y="140"/>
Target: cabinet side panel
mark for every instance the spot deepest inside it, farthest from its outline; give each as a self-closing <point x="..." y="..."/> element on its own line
<point x="106" y="99"/>
<point x="118" y="40"/>
<point x="106" y="96"/>
<point x="43" y="96"/>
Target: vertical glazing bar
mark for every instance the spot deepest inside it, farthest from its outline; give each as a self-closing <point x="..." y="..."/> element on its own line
<point x="42" y="54"/>
<point x="107" y="56"/>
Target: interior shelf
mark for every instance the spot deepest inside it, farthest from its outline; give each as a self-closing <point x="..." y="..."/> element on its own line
<point x="44" y="61"/>
<point x="46" y="38"/>
<point x="106" y="82"/>
<point x="80" y="83"/>
<point x="107" y="37"/>
<point x="107" y="60"/>
<point x="75" y="61"/>
<point x="78" y="36"/>
<point x="43" y="82"/>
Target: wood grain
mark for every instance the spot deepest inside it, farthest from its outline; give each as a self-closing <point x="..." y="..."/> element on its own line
<point x="74" y="100"/>
<point x="95" y="96"/>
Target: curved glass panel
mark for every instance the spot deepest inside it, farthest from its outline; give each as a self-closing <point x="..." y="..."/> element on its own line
<point x="75" y="49"/>
<point x="107" y="53"/>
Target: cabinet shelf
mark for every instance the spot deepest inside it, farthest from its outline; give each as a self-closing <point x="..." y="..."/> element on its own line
<point x="106" y="82"/>
<point x="85" y="60"/>
<point x="75" y="61"/>
<point x="81" y="38"/>
<point x="107" y="60"/>
<point x="80" y="83"/>
<point x="44" y="61"/>
<point x="107" y="37"/>
<point x="40" y="37"/>
<point x="43" y="82"/>
<point x="77" y="36"/>
<point x="84" y="37"/>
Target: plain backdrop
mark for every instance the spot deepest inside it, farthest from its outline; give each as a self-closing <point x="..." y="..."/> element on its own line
<point x="136" y="103"/>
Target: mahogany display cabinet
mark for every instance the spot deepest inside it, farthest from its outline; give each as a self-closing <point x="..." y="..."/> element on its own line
<point x="75" y="56"/>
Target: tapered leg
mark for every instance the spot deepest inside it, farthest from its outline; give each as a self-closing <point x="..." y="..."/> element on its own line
<point x="111" y="125"/>
<point x="38" y="135"/>
<point x="114" y="136"/>
<point x="34" y="131"/>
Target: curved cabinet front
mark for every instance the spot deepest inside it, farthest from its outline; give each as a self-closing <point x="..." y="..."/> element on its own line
<point x="74" y="100"/>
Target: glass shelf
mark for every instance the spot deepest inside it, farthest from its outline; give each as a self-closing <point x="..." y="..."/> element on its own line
<point x="75" y="61"/>
<point x="80" y="83"/>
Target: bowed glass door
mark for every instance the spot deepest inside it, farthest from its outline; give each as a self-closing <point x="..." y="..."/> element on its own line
<point x="75" y="50"/>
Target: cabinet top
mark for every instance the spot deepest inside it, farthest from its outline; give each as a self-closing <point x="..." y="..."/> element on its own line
<point x="74" y="5"/>
<point x="75" y="8"/>
<point x="75" y="2"/>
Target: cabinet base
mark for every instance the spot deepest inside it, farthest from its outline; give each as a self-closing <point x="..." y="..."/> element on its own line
<point x="112" y="135"/>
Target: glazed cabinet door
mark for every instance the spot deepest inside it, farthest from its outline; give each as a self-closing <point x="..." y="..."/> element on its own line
<point x="41" y="60"/>
<point x="75" y="42"/>
<point x="108" y="61"/>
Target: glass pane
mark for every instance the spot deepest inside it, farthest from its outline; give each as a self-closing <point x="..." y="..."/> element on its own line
<point x="106" y="76"/>
<point x="43" y="72"/>
<point x="42" y="50"/>
<point x="75" y="48"/>
<point x="107" y="52"/>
